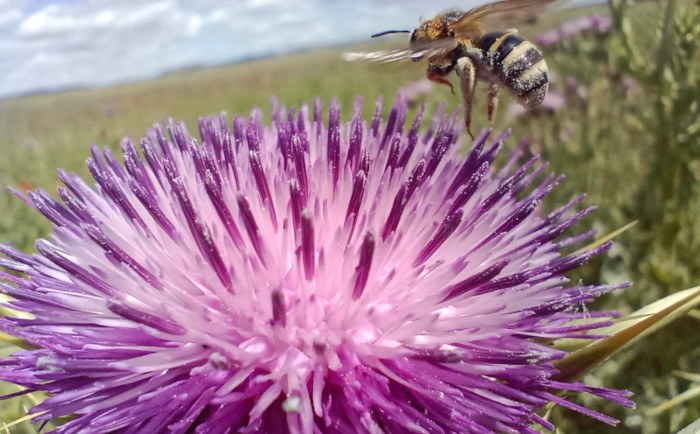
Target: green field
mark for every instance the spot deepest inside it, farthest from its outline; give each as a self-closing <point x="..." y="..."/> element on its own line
<point x="628" y="136"/>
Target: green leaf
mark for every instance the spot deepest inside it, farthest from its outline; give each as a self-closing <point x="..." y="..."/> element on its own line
<point x="626" y="330"/>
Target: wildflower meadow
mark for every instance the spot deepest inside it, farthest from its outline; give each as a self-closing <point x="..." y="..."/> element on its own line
<point x="304" y="244"/>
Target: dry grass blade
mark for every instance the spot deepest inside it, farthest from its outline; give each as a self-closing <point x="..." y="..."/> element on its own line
<point x="22" y="419"/>
<point x="602" y="240"/>
<point x="681" y="398"/>
<point x="695" y="313"/>
<point x="687" y="375"/>
<point x="676" y="400"/>
<point x="693" y="428"/>
<point x="626" y="330"/>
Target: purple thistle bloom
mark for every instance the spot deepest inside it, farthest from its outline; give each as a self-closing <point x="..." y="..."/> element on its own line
<point x="571" y="28"/>
<point x="631" y="85"/>
<point x="552" y="102"/>
<point x="415" y="89"/>
<point x="548" y="37"/>
<point x="602" y="23"/>
<point x="301" y="277"/>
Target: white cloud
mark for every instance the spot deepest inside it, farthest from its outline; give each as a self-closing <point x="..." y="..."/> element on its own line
<point x="106" y="15"/>
<point x="10" y="17"/>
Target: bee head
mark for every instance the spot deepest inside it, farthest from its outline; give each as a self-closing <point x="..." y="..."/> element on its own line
<point x="420" y="35"/>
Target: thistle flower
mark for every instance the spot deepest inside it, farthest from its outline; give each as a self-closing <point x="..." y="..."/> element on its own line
<point x="631" y="85"/>
<point x="301" y="277"/>
<point x="553" y="101"/>
<point x="571" y="28"/>
<point x="548" y="37"/>
<point x="415" y="89"/>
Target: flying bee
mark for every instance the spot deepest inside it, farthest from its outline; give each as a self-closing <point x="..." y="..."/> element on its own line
<point x="475" y="45"/>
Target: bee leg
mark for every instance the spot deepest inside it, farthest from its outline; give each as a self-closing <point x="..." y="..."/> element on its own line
<point x="437" y="75"/>
<point x="466" y="71"/>
<point x="492" y="100"/>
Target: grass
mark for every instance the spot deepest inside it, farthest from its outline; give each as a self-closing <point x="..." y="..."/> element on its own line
<point x="607" y="144"/>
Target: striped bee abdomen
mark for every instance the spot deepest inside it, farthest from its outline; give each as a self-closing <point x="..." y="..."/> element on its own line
<point x="518" y="64"/>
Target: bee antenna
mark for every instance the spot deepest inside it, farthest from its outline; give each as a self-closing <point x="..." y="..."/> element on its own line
<point x="376" y="35"/>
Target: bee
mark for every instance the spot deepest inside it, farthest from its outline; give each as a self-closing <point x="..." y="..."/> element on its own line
<point x="475" y="46"/>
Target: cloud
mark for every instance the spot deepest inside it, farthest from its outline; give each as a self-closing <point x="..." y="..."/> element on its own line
<point x="94" y="43"/>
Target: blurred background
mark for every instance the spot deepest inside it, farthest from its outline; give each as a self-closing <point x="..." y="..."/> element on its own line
<point x="621" y="120"/>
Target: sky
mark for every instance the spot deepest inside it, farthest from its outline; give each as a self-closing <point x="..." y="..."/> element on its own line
<point x="48" y="45"/>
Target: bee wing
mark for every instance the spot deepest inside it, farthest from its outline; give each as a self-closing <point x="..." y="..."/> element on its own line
<point x="500" y="15"/>
<point x="381" y="56"/>
<point x="427" y="49"/>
